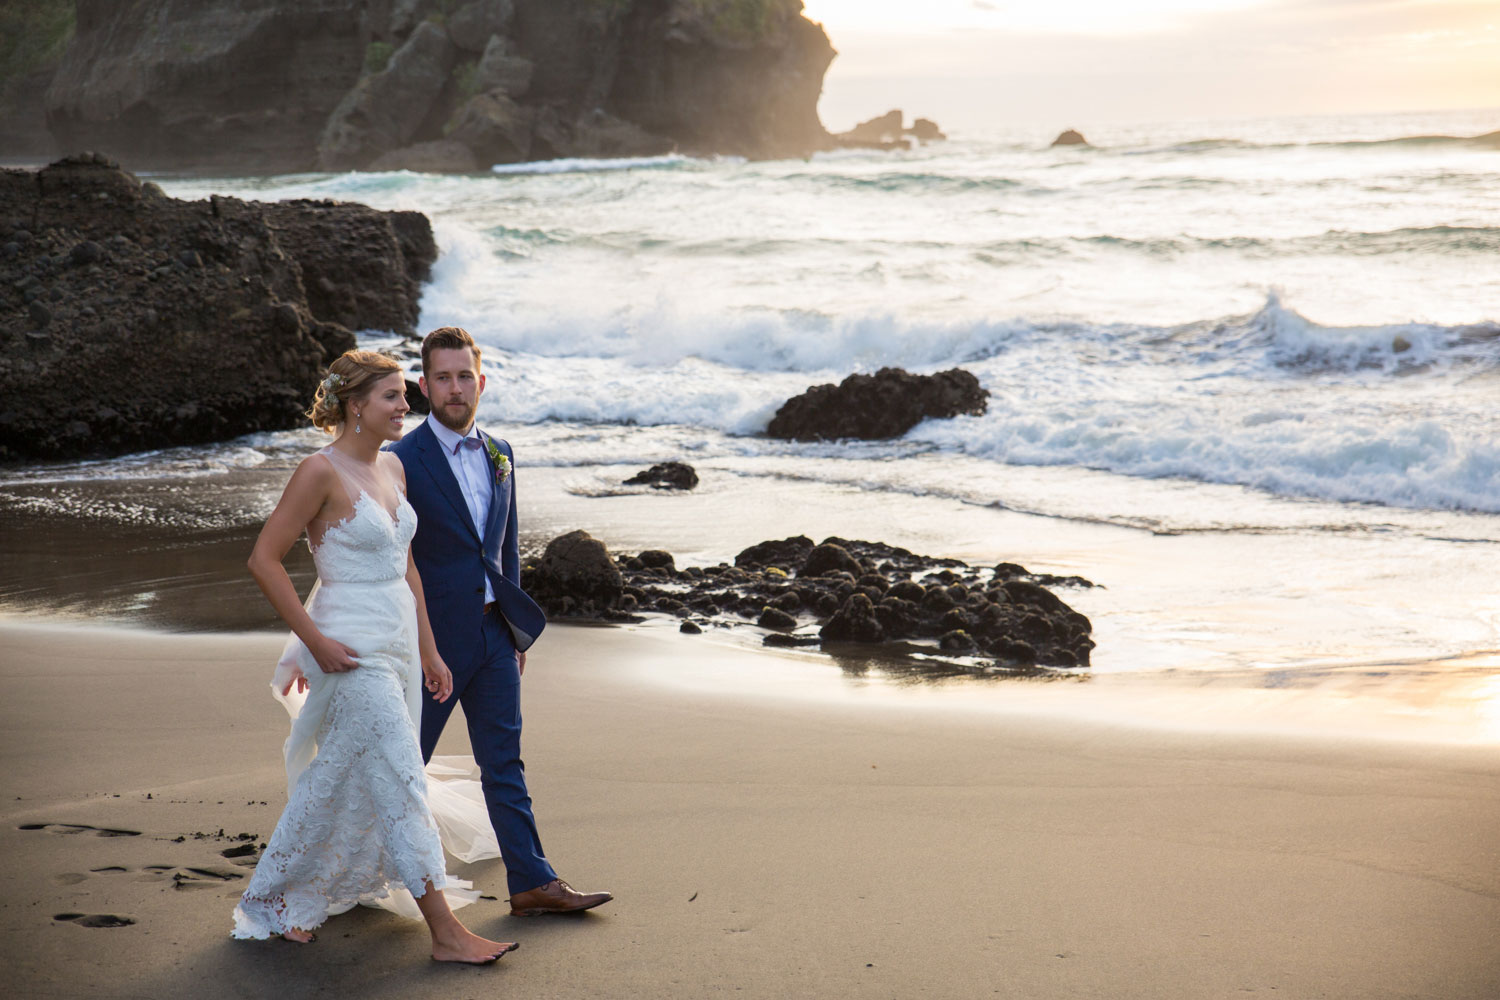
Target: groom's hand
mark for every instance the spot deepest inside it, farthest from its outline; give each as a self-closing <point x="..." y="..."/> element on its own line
<point x="437" y="678"/>
<point x="521" y="661"/>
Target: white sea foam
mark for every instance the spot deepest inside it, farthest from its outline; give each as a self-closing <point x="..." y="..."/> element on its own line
<point x="1406" y="463"/>
<point x="1115" y="303"/>
<point x="573" y="165"/>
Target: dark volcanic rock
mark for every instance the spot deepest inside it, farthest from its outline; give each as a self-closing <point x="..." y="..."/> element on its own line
<point x="869" y="592"/>
<point x="926" y="130"/>
<point x="284" y="85"/>
<point x="775" y="618"/>
<point x="501" y="69"/>
<point x="441" y="156"/>
<point x="361" y="268"/>
<point x="237" y="85"/>
<point x="829" y="558"/>
<point x="385" y="110"/>
<point x="887" y="132"/>
<point x="658" y="559"/>
<point x="884" y="405"/>
<point x="173" y="322"/>
<point x="574" y="577"/>
<point x="666" y="476"/>
<point x="882" y="132"/>
<point x="855" y="621"/>
<point x="494" y="127"/>
<point x="786" y="555"/>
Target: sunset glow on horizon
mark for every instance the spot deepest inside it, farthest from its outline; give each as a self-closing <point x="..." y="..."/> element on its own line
<point x="979" y="63"/>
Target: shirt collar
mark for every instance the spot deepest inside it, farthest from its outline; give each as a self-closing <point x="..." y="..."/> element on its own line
<point x="447" y="437"/>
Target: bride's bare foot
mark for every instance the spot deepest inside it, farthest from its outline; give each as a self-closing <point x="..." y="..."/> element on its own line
<point x="299" y="935"/>
<point x="451" y="940"/>
<point x="456" y="943"/>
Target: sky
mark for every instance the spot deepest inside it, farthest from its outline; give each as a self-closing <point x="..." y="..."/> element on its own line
<point x="973" y="64"/>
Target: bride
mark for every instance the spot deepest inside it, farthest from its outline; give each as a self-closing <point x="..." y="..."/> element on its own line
<point x="357" y="825"/>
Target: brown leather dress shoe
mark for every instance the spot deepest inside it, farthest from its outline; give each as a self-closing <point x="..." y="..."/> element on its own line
<point x="556" y="896"/>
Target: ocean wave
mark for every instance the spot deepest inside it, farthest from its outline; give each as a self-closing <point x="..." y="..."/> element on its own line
<point x="911" y="182"/>
<point x="1437" y="240"/>
<point x="578" y="165"/>
<point x="1273" y="342"/>
<point x="1411" y="463"/>
<point x="1445" y="240"/>
<point x="1308" y="443"/>
<point x="1487" y="140"/>
<point x="1278" y="338"/>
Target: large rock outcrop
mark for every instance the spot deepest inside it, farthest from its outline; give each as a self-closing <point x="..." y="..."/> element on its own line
<point x="228" y="85"/>
<point x="250" y="86"/>
<point x="884" y="405"/>
<point x="130" y="320"/>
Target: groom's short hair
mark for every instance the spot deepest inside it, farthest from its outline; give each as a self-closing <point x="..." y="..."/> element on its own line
<point x="448" y="338"/>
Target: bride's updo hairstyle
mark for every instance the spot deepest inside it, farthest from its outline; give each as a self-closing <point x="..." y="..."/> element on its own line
<point x="351" y="377"/>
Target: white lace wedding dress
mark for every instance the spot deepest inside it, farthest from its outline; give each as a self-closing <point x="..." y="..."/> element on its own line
<point x="363" y="820"/>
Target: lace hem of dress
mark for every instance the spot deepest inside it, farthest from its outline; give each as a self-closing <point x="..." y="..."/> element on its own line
<point x="258" y="919"/>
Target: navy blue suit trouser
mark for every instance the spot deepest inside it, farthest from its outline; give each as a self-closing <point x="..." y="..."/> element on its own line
<point x="490" y="691"/>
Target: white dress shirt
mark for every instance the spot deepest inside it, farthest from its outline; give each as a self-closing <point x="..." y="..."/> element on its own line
<point x="476" y="479"/>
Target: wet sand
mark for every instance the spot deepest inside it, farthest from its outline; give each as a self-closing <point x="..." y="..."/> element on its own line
<point x="759" y="842"/>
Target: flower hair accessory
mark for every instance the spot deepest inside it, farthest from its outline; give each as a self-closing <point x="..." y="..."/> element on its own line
<point x="332" y="382"/>
<point x="498" y="460"/>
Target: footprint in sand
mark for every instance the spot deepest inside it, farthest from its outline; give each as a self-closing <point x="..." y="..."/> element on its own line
<point x="191" y="878"/>
<point x="181" y="877"/>
<point x="94" y="919"/>
<point x="73" y="878"/>
<point x="77" y="828"/>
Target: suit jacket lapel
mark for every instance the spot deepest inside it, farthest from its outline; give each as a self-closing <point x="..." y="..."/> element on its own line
<point x="442" y="477"/>
<point x="492" y="522"/>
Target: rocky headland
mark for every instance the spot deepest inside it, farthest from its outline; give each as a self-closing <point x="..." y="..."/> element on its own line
<point x="274" y="86"/>
<point x="131" y="320"/>
<point x="832" y="594"/>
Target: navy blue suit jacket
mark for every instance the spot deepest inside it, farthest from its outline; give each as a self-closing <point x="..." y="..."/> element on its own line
<point x="454" y="559"/>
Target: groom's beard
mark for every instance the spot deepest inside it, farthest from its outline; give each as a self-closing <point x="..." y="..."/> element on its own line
<point x="456" y="415"/>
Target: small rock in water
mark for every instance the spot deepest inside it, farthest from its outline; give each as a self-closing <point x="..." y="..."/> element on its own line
<point x="658" y="559"/>
<point x="1400" y="345"/>
<point x="784" y="640"/>
<point x="775" y="618"/>
<point x="884" y="405"/>
<point x="666" y="476"/>
<point x="828" y="558"/>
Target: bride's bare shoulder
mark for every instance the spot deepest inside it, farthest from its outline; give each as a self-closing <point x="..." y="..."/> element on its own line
<point x="393" y="466"/>
<point x="315" y="473"/>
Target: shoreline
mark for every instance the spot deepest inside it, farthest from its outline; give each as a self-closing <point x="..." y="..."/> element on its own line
<point x="1189" y="632"/>
<point x="768" y="844"/>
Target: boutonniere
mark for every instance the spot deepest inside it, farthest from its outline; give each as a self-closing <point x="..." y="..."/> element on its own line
<point x="498" y="460"/>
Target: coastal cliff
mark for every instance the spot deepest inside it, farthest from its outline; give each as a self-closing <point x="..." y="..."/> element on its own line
<point x="268" y="86"/>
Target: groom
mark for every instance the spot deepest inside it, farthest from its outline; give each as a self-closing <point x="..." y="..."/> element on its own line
<point x="461" y="482"/>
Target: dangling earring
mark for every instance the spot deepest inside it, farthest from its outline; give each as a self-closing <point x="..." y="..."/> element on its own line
<point x="356" y="423"/>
